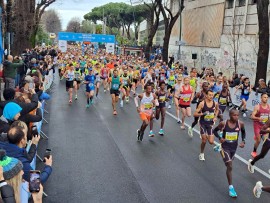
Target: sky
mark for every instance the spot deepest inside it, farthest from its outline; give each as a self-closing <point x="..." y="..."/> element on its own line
<point x="77" y="8"/>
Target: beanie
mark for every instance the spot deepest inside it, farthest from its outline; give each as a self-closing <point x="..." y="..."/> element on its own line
<point x="10" y="110"/>
<point x="11" y="166"/>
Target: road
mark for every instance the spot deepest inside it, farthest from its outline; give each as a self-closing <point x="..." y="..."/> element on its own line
<point x="97" y="158"/>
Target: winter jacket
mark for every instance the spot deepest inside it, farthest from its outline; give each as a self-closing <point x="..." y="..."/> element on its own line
<point x="13" y="150"/>
<point x="10" y="69"/>
<point x="7" y="194"/>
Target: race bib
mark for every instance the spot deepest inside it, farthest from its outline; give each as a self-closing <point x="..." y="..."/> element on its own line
<point x="162" y="98"/>
<point x="222" y="100"/>
<point x="90" y="85"/>
<point x="115" y="86"/>
<point x="125" y="82"/>
<point x="77" y="75"/>
<point x="186" y="97"/>
<point x="246" y="91"/>
<point x="231" y="136"/>
<point x="264" y="118"/>
<point x="209" y="117"/>
<point x="148" y="106"/>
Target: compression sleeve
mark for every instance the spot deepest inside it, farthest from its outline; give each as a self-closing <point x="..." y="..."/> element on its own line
<point x="243" y="134"/>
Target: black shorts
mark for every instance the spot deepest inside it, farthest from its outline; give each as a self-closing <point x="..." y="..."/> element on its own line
<point x="78" y="81"/>
<point x="171" y="88"/>
<point x="227" y="154"/>
<point x="135" y="81"/>
<point x="161" y="105"/>
<point x="183" y="106"/>
<point x="69" y="84"/>
<point x="222" y="109"/>
<point x="103" y="78"/>
<point x="206" y="130"/>
<point x="115" y="92"/>
<point x="126" y="87"/>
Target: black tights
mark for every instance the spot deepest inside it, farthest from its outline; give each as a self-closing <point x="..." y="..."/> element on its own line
<point x="264" y="151"/>
<point x="196" y="119"/>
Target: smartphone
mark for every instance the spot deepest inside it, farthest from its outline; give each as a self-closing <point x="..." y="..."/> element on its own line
<point x="34" y="184"/>
<point x="34" y="131"/>
<point x="31" y="85"/>
<point x="47" y="154"/>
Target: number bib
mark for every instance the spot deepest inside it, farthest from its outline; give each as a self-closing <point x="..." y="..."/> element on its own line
<point x="265" y="118"/>
<point x="231" y="136"/>
<point x="222" y="100"/>
<point x="90" y="85"/>
<point x="209" y="117"/>
<point x="186" y="97"/>
<point x="125" y="82"/>
<point x="148" y="106"/>
<point x="115" y="86"/>
<point x="246" y="91"/>
<point x="162" y="98"/>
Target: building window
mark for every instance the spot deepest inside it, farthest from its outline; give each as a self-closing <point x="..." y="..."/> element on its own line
<point x="229" y="4"/>
<point x="240" y="3"/>
<point x="252" y="2"/>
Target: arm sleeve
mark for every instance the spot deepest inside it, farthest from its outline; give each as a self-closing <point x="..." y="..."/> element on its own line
<point x="243" y="133"/>
<point x="45" y="174"/>
<point x="7" y="194"/>
<point x="216" y="130"/>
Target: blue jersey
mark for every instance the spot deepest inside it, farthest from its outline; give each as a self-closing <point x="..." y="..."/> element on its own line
<point x="217" y="89"/>
<point x="91" y="85"/>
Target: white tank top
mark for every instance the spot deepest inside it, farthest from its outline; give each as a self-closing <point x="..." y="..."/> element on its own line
<point x="70" y="75"/>
<point x="147" y="103"/>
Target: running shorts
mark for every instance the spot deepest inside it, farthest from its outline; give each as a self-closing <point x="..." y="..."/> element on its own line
<point x="206" y="130"/>
<point x="145" y="116"/>
<point x="257" y="128"/>
<point x="69" y="84"/>
<point x="246" y="97"/>
<point x="184" y="106"/>
<point x="227" y="154"/>
<point x="115" y="92"/>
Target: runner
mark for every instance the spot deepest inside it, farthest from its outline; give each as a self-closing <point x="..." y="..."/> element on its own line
<point x="207" y="111"/>
<point x="265" y="148"/>
<point x="146" y="110"/>
<point x="186" y="93"/>
<point x="260" y="116"/>
<point x="69" y="75"/>
<point x="200" y="96"/>
<point x="115" y="82"/>
<point x="259" y="188"/>
<point x="177" y="97"/>
<point x="104" y="76"/>
<point x="228" y="133"/>
<point x="77" y="80"/>
<point x="98" y="78"/>
<point x="144" y="71"/>
<point x="161" y="108"/>
<point x="89" y="80"/>
<point x="125" y="89"/>
<point x="135" y="80"/>
<point x="246" y="89"/>
<point x="170" y="86"/>
<point x="223" y="99"/>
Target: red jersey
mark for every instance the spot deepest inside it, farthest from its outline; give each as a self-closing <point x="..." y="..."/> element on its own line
<point x="185" y="96"/>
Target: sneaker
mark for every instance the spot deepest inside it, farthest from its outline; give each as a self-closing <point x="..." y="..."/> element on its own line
<point x="76" y="97"/>
<point x="232" y="192"/>
<point x="201" y="157"/>
<point x="250" y="166"/>
<point x="91" y="101"/>
<point x="127" y="99"/>
<point x="169" y="107"/>
<point x="104" y="91"/>
<point x="190" y="132"/>
<point x="178" y="120"/>
<point x="70" y="101"/>
<point x="244" y="115"/>
<point x="217" y="148"/>
<point x="138" y="134"/>
<point x="87" y="106"/>
<point x="121" y="103"/>
<point x="253" y="154"/>
<point x="161" y="132"/>
<point x="257" y="191"/>
<point x="151" y="134"/>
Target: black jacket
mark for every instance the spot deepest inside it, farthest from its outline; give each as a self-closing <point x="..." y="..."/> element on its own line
<point x="7" y="194"/>
<point x="26" y="108"/>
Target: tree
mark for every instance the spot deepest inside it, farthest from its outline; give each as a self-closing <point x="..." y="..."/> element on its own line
<point x="169" y="21"/>
<point x="51" y="21"/>
<point x="87" y="27"/>
<point x="263" y="22"/>
<point x="74" y="25"/>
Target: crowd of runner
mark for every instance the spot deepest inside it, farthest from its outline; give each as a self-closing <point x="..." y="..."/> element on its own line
<point x="155" y="86"/>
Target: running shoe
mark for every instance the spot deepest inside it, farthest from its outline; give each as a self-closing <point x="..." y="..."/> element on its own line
<point x="70" y="101"/>
<point x="190" y="132"/>
<point x="87" y="106"/>
<point x="115" y="113"/>
<point x="127" y="99"/>
<point x="151" y="134"/>
<point x="178" y="120"/>
<point x="201" y="157"/>
<point x="91" y="101"/>
<point x="121" y="103"/>
<point x="76" y="97"/>
<point x="169" y="107"/>
<point x="161" y="132"/>
<point x="250" y="166"/>
<point x="217" y="148"/>
<point x="104" y="91"/>
<point x="138" y="134"/>
<point x="232" y="192"/>
<point x="253" y="154"/>
<point x="244" y="115"/>
<point x="141" y="136"/>
<point x="257" y="191"/>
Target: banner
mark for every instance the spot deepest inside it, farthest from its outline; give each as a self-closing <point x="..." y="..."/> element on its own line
<point x="62" y="45"/>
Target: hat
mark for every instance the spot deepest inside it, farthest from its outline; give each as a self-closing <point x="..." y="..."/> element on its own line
<point x="90" y="69"/>
<point x="28" y="78"/>
<point x="11" y="166"/>
<point x="10" y="110"/>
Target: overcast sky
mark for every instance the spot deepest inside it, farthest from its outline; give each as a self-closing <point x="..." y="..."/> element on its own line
<point x="77" y="8"/>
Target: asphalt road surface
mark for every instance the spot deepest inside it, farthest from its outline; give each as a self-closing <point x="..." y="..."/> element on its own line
<point x="96" y="158"/>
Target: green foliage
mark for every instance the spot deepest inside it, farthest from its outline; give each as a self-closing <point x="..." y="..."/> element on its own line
<point x="43" y="36"/>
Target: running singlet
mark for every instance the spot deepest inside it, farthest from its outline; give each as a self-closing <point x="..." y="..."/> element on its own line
<point x="77" y="74"/>
<point x="231" y="136"/>
<point x="171" y="80"/>
<point x="264" y="114"/>
<point x="207" y="119"/>
<point x="222" y="100"/>
<point x="115" y="84"/>
<point x="104" y="72"/>
<point x="162" y="77"/>
<point x="161" y="99"/>
<point x="147" y="104"/>
<point x="70" y="75"/>
<point x="245" y="90"/>
<point x="125" y="80"/>
<point x="185" y="96"/>
<point x="144" y="71"/>
<point x="192" y="82"/>
<point x="91" y="80"/>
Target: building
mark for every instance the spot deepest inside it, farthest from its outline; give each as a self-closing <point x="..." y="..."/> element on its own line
<point x="218" y="33"/>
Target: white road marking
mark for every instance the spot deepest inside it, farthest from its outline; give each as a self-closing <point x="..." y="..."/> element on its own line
<point x="236" y="156"/>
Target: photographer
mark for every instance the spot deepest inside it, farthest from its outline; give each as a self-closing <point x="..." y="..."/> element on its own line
<point x="16" y="148"/>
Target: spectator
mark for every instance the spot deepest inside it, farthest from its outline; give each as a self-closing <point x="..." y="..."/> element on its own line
<point x="11" y="113"/>
<point x="15" y="147"/>
<point x="9" y="96"/>
<point x="262" y="88"/>
<point x="7" y="191"/>
<point x="10" y="71"/>
<point x="235" y="81"/>
<point x="12" y="172"/>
